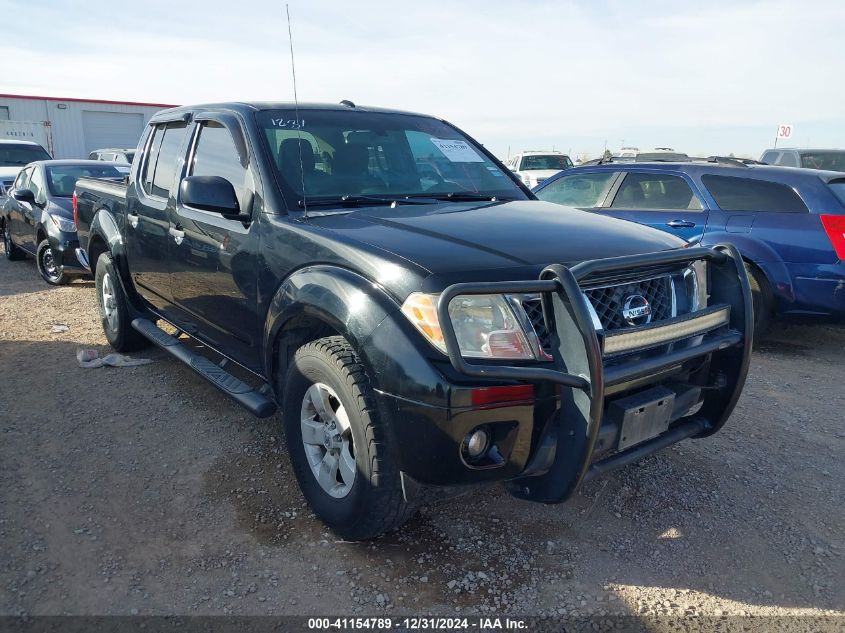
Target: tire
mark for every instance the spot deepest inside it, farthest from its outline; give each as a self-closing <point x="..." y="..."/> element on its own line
<point x="49" y="269"/>
<point x="762" y="301"/>
<point x="114" y="310"/>
<point x="13" y="253"/>
<point x="372" y="503"/>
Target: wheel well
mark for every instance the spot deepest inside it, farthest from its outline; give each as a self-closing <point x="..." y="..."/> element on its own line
<point x="295" y="333"/>
<point x="40" y="235"/>
<point x="761" y="276"/>
<point x="96" y="247"/>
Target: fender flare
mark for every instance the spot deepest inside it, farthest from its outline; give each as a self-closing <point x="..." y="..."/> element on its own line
<point x="104" y="228"/>
<point x="763" y="257"/>
<point x="344" y="300"/>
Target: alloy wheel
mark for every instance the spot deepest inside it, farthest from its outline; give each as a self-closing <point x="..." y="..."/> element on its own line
<point x="109" y="302"/>
<point x="327" y="440"/>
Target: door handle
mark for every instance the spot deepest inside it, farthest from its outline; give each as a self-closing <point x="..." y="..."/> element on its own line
<point x="177" y="233"/>
<point x="133" y="219"/>
<point x="680" y="224"/>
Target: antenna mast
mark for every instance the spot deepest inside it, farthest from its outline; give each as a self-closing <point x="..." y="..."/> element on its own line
<point x="296" y="109"/>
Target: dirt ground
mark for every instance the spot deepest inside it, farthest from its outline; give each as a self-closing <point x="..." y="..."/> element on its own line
<point x="145" y="491"/>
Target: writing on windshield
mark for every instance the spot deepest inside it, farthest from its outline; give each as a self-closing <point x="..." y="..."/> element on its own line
<point x="328" y="154"/>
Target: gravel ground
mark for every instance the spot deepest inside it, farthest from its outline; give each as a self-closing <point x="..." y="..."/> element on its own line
<point x="145" y="491"/>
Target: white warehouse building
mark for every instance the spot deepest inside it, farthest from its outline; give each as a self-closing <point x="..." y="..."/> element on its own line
<point x="72" y="128"/>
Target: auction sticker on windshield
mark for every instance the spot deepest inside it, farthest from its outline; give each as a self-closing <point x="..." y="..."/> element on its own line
<point x="457" y="151"/>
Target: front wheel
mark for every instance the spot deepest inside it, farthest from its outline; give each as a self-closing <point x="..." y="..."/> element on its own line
<point x="48" y="267"/>
<point x="338" y="444"/>
<point x="114" y="308"/>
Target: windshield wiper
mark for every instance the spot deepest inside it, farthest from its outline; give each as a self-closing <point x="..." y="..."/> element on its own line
<point x="360" y="201"/>
<point x="470" y="196"/>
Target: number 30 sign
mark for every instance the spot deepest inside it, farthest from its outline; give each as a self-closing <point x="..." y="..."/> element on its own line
<point x="784" y="130"/>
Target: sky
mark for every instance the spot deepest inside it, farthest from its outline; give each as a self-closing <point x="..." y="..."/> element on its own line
<point x="702" y="77"/>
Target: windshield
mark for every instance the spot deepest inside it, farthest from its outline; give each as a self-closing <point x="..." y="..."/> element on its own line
<point x="334" y="154"/>
<point x="14" y="154"/>
<point x="831" y="161"/>
<point x="552" y="161"/>
<point x="61" y="179"/>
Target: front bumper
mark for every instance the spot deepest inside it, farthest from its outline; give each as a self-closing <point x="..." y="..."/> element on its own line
<point x="575" y="427"/>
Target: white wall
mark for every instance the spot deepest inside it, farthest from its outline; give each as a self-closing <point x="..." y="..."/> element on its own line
<point x="65" y="129"/>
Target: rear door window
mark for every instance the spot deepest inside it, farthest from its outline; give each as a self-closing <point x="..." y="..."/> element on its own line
<point x="168" y="152"/>
<point x="151" y="158"/>
<point x="655" y="192"/>
<point x="748" y="194"/>
<point x="770" y="158"/>
<point x="583" y="191"/>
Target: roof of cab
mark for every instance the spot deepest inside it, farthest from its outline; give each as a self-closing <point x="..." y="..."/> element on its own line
<point x="255" y="106"/>
<point x="803" y="149"/>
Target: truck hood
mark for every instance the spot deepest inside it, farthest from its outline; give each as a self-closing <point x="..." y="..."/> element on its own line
<point x="540" y="174"/>
<point x="454" y="237"/>
<point x="9" y="173"/>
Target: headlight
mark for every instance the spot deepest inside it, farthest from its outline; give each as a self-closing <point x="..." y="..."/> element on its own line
<point x="485" y="325"/>
<point x="63" y="223"/>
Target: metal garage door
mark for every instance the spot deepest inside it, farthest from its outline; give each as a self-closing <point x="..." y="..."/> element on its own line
<point x="111" y="129"/>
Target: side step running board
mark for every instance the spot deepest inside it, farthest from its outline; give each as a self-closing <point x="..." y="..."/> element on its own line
<point x="255" y="402"/>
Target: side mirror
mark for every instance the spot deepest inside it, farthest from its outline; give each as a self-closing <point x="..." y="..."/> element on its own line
<point x="24" y="195"/>
<point x="210" y="193"/>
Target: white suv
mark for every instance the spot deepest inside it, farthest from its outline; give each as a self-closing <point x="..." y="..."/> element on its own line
<point x="534" y="167"/>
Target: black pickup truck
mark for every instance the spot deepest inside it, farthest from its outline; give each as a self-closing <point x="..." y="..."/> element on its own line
<point x="420" y="319"/>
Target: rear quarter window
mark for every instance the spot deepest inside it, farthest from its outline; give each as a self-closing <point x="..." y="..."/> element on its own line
<point x="838" y="189"/>
<point x="748" y="194"/>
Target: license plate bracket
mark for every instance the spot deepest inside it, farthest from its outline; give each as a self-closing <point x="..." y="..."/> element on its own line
<point x="642" y="416"/>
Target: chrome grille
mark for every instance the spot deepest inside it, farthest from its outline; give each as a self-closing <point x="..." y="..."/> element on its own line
<point x="534" y="311"/>
<point x="609" y="301"/>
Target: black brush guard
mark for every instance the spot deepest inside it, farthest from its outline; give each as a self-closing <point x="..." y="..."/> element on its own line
<point x="564" y="454"/>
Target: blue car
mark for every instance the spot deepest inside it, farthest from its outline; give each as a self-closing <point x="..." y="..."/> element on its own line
<point x="789" y="224"/>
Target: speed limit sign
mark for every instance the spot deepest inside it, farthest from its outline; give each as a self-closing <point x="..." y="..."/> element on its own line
<point x="785" y="130"/>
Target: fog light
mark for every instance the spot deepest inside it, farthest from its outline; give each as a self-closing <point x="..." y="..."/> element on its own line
<point x="476" y="443"/>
